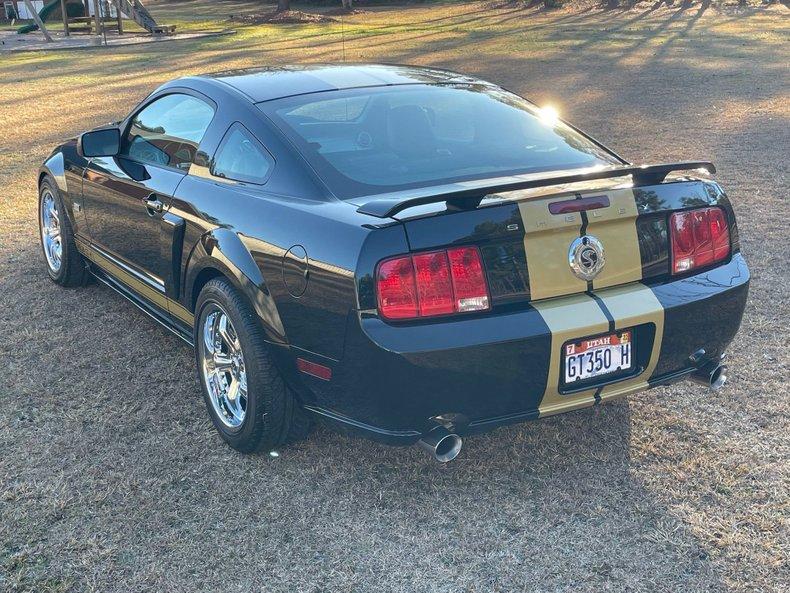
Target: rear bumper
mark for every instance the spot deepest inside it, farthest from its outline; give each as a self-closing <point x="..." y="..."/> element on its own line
<point x="481" y="373"/>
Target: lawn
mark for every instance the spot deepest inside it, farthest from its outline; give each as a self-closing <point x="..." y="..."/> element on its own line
<point x="112" y="478"/>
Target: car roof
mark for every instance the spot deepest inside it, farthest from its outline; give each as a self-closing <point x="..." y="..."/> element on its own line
<point x="276" y="82"/>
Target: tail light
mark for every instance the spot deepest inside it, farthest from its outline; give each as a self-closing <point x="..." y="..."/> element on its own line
<point x="431" y="284"/>
<point x="699" y="238"/>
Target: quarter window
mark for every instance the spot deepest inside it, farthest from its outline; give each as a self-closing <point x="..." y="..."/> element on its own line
<point x="241" y="157"/>
<point x="168" y="131"/>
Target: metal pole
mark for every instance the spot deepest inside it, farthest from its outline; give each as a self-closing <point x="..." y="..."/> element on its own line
<point x="65" y="17"/>
<point x="120" y="17"/>
<point x="38" y="20"/>
<point x="97" y="17"/>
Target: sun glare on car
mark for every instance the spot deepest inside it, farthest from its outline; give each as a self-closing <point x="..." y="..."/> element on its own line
<point x="549" y="115"/>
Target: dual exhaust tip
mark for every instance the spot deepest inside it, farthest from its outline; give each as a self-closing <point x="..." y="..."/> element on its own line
<point x="442" y="444"/>
<point x="712" y="374"/>
<point x="445" y="446"/>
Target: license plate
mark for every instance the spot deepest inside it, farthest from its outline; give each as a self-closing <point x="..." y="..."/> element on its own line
<point x="594" y="357"/>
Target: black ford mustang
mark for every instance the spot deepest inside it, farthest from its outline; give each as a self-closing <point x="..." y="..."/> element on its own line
<point x="408" y="253"/>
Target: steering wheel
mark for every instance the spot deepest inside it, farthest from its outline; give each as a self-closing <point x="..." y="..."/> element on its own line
<point x="147" y="152"/>
<point x="179" y="154"/>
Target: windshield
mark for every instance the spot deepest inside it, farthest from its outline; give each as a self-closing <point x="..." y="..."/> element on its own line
<point x="375" y="140"/>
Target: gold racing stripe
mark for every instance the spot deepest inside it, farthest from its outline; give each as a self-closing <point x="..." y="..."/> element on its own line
<point x="568" y="318"/>
<point x="151" y="294"/>
<point x="180" y="311"/>
<point x="615" y="228"/>
<point x="579" y="315"/>
<point x="631" y="305"/>
<point x="547" y="238"/>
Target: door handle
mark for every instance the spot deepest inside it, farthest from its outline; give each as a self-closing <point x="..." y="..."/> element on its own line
<point x="154" y="205"/>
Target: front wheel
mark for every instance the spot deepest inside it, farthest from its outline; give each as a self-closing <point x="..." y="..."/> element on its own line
<point x="64" y="263"/>
<point x="249" y="404"/>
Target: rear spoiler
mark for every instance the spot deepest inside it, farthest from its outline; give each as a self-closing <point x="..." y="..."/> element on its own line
<point x="470" y="198"/>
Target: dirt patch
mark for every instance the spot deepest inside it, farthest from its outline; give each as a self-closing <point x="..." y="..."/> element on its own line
<point x="344" y="11"/>
<point x="282" y="18"/>
<point x="510" y="4"/>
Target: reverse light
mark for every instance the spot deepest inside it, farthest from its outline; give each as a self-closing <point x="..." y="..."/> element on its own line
<point x="699" y="238"/>
<point x="469" y="282"/>
<point x="431" y="284"/>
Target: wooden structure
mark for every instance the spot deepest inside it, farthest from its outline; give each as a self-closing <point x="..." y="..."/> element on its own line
<point x="99" y="23"/>
<point x="77" y="17"/>
<point x="102" y="21"/>
<point x="37" y="19"/>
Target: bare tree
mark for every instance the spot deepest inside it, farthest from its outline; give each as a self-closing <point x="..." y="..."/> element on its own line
<point x="283" y="5"/>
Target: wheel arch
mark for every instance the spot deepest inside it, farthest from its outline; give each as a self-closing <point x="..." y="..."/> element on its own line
<point x="222" y="254"/>
<point x="206" y="275"/>
<point x="55" y="168"/>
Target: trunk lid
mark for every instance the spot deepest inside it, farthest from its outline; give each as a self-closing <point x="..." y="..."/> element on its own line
<point x="526" y="236"/>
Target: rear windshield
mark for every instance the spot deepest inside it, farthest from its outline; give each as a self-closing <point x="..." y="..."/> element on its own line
<point x="384" y="139"/>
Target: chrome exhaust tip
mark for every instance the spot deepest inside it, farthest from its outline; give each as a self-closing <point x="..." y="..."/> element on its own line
<point x="718" y="378"/>
<point x="713" y="375"/>
<point x="442" y="444"/>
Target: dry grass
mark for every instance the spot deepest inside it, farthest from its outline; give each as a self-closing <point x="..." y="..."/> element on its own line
<point x="112" y="479"/>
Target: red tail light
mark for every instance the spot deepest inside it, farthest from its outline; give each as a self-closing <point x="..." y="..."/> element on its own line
<point x="397" y="288"/>
<point x="430" y="284"/>
<point x="699" y="238"/>
<point x="434" y="286"/>
<point x="469" y="281"/>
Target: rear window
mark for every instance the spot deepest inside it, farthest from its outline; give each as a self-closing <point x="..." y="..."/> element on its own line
<point x="384" y="139"/>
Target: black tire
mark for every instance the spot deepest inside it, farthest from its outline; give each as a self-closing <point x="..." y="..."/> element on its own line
<point x="272" y="417"/>
<point x="72" y="271"/>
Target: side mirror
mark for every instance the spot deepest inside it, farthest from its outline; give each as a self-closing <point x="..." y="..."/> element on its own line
<point x="104" y="142"/>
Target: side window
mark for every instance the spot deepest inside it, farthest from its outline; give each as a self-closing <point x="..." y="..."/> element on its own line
<point x="240" y="157"/>
<point x="168" y="131"/>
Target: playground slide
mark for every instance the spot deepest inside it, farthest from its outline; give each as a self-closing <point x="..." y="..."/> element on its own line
<point x="44" y="13"/>
<point x="131" y="8"/>
<point x="138" y="12"/>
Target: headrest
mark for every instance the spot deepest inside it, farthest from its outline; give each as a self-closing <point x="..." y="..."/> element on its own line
<point x="409" y="131"/>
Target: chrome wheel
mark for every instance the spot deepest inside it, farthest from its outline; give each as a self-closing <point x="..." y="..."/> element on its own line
<point x="223" y="367"/>
<point x="51" y="238"/>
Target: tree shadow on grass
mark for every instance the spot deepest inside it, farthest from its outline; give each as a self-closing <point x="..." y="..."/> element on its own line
<point x="115" y="399"/>
<point x="553" y="501"/>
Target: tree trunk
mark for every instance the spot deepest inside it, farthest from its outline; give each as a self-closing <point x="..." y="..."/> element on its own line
<point x="347" y="4"/>
<point x="283" y="5"/>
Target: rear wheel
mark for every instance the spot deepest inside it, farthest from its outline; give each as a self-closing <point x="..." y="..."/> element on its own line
<point x="64" y="263"/>
<point x="245" y="395"/>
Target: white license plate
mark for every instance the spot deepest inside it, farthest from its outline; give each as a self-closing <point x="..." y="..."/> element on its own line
<point x="593" y="357"/>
